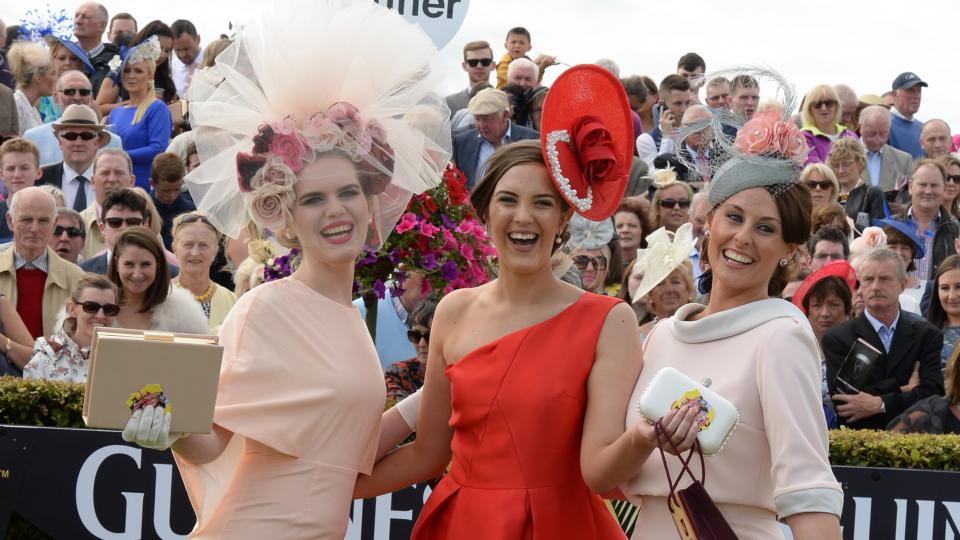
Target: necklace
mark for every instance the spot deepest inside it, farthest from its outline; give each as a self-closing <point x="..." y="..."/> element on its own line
<point x="202" y="298"/>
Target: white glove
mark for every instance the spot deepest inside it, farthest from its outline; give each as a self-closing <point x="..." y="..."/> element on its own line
<point x="149" y="427"/>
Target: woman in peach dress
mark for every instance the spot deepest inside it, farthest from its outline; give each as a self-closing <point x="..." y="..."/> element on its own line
<point x="301" y="391"/>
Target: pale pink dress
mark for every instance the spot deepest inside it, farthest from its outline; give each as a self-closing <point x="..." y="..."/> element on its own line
<point x="763" y="357"/>
<point x="302" y="390"/>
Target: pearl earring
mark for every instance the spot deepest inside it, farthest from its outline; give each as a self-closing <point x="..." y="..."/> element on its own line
<point x="706" y="233"/>
<point x="784" y="262"/>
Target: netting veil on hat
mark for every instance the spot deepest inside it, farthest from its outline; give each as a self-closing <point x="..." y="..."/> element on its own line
<point x="768" y="150"/>
<point x="311" y="77"/>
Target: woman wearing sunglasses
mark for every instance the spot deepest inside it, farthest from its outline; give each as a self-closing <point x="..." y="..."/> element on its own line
<point x="671" y="203"/>
<point x="821" y="117"/>
<point x="848" y="160"/>
<point x="64" y="355"/>
<point x="195" y="242"/>
<point x="951" y="188"/>
<point x="591" y="254"/>
<point x="147" y="300"/>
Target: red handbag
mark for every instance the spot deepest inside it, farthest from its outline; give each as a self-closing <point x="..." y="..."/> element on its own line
<point x="694" y="512"/>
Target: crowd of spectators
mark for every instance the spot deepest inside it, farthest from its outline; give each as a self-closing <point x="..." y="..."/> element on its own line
<point x="86" y="126"/>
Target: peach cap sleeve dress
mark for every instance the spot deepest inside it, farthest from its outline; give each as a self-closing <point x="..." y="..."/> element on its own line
<point x="763" y="357"/>
<point x="302" y="390"/>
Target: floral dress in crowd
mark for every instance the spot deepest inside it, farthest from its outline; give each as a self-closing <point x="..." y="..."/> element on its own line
<point x="58" y="358"/>
<point x="403" y="378"/>
<point x="950" y="336"/>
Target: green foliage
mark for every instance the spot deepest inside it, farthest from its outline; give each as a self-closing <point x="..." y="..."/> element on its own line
<point x="29" y="402"/>
<point x="866" y="448"/>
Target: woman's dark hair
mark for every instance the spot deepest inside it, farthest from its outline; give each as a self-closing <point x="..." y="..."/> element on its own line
<point x="518" y="103"/>
<point x="794" y="206"/>
<point x="143" y="238"/>
<point x="502" y="160"/>
<point x="935" y="312"/>
<point x="896" y="237"/>
<point x="615" y="266"/>
<point x="824" y="288"/>
<point x="161" y="77"/>
<point x="423" y="312"/>
<point x="826" y="214"/>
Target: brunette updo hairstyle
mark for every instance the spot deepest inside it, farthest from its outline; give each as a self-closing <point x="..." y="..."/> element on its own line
<point x="794" y="206"/>
<point x="502" y="160"/>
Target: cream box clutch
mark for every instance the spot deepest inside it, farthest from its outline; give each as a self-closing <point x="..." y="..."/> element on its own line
<point x="670" y="389"/>
<point x="185" y="368"/>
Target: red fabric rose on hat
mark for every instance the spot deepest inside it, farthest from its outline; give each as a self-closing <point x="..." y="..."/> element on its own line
<point x="594" y="147"/>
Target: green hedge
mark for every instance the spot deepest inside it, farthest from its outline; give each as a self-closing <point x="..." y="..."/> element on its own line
<point x="865" y="448"/>
<point x="41" y="403"/>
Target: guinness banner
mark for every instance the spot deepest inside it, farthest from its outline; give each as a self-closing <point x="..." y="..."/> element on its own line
<point x="90" y="484"/>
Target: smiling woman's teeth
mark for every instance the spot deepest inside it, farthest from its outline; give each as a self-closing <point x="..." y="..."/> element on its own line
<point x="737" y="257"/>
<point x="338" y="230"/>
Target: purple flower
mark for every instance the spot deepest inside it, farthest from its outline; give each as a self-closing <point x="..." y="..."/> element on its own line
<point x="429" y="261"/>
<point x="446" y="222"/>
<point x="379" y="288"/>
<point x="448" y="271"/>
<point x="394" y="256"/>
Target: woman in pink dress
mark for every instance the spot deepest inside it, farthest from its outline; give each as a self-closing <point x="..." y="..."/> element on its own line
<point x="758" y="350"/>
<point x="528" y="376"/>
<point x="301" y="391"/>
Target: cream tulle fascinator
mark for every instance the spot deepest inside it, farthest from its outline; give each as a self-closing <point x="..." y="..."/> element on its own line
<point x="148" y="49"/>
<point x="664" y="253"/>
<point x="589" y="235"/>
<point x="768" y="150"/>
<point x="308" y="78"/>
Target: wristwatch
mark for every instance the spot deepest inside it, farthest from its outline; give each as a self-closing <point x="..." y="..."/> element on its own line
<point x="883" y="407"/>
<point x="8" y="345"/>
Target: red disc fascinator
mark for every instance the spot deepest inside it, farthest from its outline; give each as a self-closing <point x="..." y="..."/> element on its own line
<point x="840" y="269"/>
<point x="586" y="134"/>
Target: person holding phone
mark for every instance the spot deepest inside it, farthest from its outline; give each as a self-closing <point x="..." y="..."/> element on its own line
<point x="675" y="98"/>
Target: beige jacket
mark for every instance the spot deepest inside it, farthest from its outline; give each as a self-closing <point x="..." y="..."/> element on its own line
<point x="94" y="242"/>
<point x="62" y="277"/>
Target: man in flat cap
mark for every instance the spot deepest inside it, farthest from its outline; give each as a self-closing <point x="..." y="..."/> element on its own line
<point x="471" y="149"/>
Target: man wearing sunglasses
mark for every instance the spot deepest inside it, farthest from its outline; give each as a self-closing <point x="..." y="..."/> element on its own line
<point x="477" y="63"/>
<point x="73" y="88"/>
<point x="123" y="208"/>
<point x="68" y="235"/>
<point x="80" y="136"/>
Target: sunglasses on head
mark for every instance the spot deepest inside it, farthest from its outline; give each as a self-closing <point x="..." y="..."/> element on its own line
<point x="193" y="218"/>
<point x="72" y="136"/>
<point x="955" y="178"/>
<point x="673" y="203"/>
<point x="828" y="103"/>
<point x="116" y="222"/>
<point x="581" y="262"/>
<point x="822" y="184"/>
<point x="91" y="307"/>
<point x="74" y="91"/>
<point x="474" y="62"/>
<point x="415" y="336"/>
<point x="72" y="232"/>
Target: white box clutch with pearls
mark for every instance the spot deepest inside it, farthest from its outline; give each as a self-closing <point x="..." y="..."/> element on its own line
<point x="671" y="389"/>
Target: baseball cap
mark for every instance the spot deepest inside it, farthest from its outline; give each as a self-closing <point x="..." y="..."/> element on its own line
<point x="907" y="79"/>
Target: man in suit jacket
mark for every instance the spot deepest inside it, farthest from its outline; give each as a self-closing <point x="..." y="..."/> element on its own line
<point x="471" y="149"/>
<point x="477" y="63"/>
<point x="79" y="134"/>
<point x="908" y="368"/>
<point x="887" y="167"/>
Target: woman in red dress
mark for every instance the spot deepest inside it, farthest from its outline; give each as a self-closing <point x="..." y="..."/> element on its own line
<point x="528" y="377"/>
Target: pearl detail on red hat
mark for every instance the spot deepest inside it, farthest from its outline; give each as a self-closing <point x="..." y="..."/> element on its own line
<point x="582" y="204"/>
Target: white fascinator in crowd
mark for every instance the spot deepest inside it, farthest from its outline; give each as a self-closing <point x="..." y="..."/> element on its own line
<point x="310" y="77"/>
<point x="665" y="252"/>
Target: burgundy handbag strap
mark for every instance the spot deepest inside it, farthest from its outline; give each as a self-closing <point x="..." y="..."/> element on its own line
<point x="685" y="462"/>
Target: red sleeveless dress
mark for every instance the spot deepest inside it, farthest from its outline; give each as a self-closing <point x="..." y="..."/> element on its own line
<point x="518" y="407"/>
